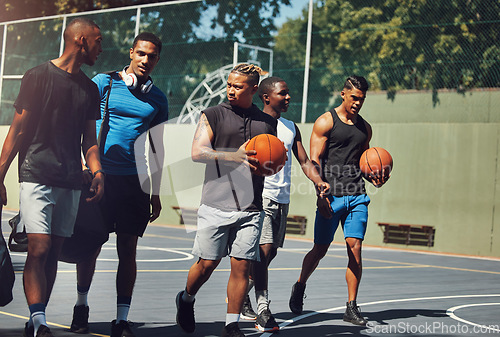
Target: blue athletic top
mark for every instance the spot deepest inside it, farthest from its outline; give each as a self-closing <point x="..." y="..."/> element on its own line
<point x="131" y="113"/>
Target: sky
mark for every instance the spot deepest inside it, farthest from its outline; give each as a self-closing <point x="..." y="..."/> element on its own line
<point x="288" y="12"/>
<point x="291" y="12"/>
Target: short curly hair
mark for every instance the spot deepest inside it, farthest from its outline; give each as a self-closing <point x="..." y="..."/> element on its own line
<point x="268" y="84"/>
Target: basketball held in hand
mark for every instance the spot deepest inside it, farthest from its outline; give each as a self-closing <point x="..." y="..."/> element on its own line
<point x="376" y="161"/>
<point x="271" y="154"/>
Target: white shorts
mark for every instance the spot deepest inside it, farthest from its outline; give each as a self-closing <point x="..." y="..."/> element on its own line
<point x="274" y="225"/>
<point x="48" y="210"/>
<point x="222" y="233"/>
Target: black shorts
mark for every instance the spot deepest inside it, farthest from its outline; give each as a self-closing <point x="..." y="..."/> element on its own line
<point x="125" y="206"/>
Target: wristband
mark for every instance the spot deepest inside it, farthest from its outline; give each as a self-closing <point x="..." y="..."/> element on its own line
<point x="99" y="171"/>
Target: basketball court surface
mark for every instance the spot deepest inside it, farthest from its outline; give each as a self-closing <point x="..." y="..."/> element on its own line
<point x="403" y="293"/>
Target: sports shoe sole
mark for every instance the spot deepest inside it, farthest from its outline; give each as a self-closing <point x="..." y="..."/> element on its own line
<point x="263" y="329"/>
<point x="247" y="318"/>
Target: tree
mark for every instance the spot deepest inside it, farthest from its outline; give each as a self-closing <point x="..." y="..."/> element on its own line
<point x="399" y="44"/>
<point x="24" y="9"/>
<point x="197" y="36"/>
<point x="253" y="18"/>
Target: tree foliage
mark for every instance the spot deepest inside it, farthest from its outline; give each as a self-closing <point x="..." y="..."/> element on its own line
<point x="253" y="18"/>
<point x="24" y="9"/>
<point x="400" y="44"/>
<point x="197" y="36"/>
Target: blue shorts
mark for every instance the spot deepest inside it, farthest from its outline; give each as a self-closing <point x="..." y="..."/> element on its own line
<point x="351" y="211"/>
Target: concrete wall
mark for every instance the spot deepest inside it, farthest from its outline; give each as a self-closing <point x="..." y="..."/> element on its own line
<point x="445" y="148"/>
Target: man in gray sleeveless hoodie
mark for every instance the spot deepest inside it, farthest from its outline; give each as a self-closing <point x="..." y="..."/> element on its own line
<point x="338" y="139"/>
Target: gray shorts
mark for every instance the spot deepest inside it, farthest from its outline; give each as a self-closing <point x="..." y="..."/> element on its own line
<point x="274" y="225"/>
<point x="48" y="210"/>
<point x="222" y="233"/>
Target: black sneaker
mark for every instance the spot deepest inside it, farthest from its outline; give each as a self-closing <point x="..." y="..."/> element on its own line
<point x="352" y="314"/>
<point x="247" y="312"/>
<point x="29" y="331"/>
<point x="122" y="329"/>
<point x="232" y="330"/>
<point x="80" y="322"/>
<point x="44" y="331"/>
<point x="296" y="302"/>
<point x="185" y="314"/>
<point x="266" y="322"/>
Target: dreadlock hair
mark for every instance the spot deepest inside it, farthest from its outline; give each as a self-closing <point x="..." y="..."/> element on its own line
<point x="358" y="82"/>
<point x="249" y="70"/>
<point x="267" y="85"/>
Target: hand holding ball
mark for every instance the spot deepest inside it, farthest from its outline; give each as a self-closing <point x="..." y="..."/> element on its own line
<point x="376" y="164"/>
<point x="271" y="154"/>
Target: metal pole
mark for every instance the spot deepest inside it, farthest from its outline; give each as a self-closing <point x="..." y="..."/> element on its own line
<point x="2" y="61"/>
<point x="137" y="20"/>
<point x="61" y="46"/>
<point x="235" y="54"/>
<point x="307" y="61"/>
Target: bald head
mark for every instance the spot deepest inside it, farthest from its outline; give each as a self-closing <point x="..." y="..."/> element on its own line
<point x="78" y="27"/>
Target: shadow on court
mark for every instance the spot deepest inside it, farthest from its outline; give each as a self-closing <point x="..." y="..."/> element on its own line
<point x="385" y="316"/>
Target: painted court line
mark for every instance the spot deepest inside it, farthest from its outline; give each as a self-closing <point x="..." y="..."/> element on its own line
<point x="451" y="312"/>
<point x="301" y="317"/>
<point x="49" y="323"/>
<point x="187" y="256"/>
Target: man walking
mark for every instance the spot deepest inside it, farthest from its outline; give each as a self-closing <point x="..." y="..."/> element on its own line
<point x="274" y="93"/>
<point x="56" y="105"/>
<point x="230" y="215"/>
<point x="338" y="139"/>
<point x="130" y="105"/>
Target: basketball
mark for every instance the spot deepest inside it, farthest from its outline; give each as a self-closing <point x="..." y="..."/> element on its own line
<point x="374" y="160"/>
<point x="271" y="154"/>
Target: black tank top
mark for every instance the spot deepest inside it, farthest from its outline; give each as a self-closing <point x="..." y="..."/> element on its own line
<point x="340" y="166"/>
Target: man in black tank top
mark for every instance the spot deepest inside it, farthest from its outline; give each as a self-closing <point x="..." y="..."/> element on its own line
<point x="338" y="139"/>
<point x="230" y="215"/>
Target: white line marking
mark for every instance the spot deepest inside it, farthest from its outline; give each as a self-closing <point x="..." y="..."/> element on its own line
<point x="451" y="312"/>
<point x="298" y="318"/>
<point x="187" y="256"/>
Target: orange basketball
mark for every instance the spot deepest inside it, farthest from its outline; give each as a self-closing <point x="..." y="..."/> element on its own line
<point x="374" y="160"/>
<point x="271" y="154"/>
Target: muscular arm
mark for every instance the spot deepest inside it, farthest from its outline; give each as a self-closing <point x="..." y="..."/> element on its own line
<point x="202" y="151"/>
<point x="318" y="146"/>
<point x="91" y="153"/>
<point x="307" y="166"/>
<point x="159" y="156"/>
<point x="319" y="138"/>
<point x="369" y="131"/>
<point x="15" y="137"/>
<point x="379" y="178"/>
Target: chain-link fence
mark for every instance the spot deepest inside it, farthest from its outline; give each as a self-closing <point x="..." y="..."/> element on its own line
<point x="396" y="45"/>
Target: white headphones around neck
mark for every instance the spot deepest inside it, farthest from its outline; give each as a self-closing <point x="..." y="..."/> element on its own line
<point x="131" y="81"/>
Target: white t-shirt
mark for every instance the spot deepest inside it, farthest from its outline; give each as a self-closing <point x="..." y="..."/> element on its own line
<point x="277" y="187"/>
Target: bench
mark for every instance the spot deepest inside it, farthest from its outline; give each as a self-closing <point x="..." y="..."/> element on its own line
<point x="187" y="215"/>
<point x="417" y="235"/>
<point x="296" y="224"/>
